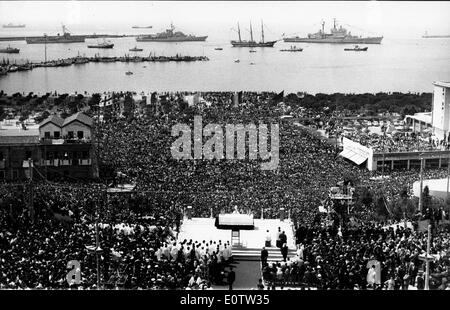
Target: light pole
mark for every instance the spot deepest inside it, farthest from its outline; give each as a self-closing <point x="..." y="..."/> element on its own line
<point x="421" y="184"/>
<point x="427" y="270"/>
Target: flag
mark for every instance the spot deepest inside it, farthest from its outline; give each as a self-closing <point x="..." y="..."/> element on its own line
<point x="279" y="97"/>
<point x="62" y="218"/>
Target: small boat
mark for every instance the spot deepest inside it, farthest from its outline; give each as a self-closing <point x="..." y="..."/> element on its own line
<point x="13" y="68"/>
<point x="237" y="60"/>
<point x="142" y="27"/>
<point x="136" y="49"/>
<point x="218" y="48"/>
<point x="292" y="49"/>
<point x="128" y="73"/>
<point x="252" y="51"/>
<point x="104" y="44"/>
<point x="10" y="50"/>
<point x="357" y="49"/>
<point x="252" y="63"/>
<point x="25" y="67"/>
<point x="3" y="71"/>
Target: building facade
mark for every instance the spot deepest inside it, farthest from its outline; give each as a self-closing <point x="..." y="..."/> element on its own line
<point x="58" y="149"/>
<point x="441" y="109"/>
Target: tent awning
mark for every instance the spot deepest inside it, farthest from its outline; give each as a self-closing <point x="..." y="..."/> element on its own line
<point x="354" y="157"/>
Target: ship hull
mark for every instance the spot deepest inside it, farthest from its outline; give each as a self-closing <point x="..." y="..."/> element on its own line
<point x="372" y="40"/>
<point x="101" y="46"/>
<point x="253" y="44"/>
<point x="187" y="39"/>
<point x="51" y="40"/>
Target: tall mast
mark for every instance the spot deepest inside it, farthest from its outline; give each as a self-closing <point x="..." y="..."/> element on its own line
<point x="334" y="23"/>
<point x="251" y="32"/>
<point x="239" y="33"/>
<point x="262" y="31"/>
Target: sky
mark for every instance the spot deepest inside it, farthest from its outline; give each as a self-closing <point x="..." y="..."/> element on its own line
<point x="388" y="18"/>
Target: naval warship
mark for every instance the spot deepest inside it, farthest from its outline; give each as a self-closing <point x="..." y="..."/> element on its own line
<point x="169" y="36"/>
<point x="252" y="43"/>
<point x="427" y="36"/>
<point x="11" y="25"/>
<point x="336" y="36"/>
<point x="66" y="37"/>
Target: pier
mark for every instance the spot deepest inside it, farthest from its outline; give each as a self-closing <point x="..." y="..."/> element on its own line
<point x="7" y="67"/>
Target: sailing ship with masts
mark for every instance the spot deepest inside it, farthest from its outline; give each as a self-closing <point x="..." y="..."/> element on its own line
<point x="252" y="43"/>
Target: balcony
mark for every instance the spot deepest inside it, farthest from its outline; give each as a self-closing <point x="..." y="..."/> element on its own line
<point x="65" y="140"/>
<point x="84" y="162"/>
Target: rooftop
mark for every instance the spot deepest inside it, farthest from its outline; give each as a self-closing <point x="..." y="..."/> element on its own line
<point x="81" y="117"/>
<point x="422" y="117"/>
<point x="442" y="84"/>
<point x="55" y="119"/>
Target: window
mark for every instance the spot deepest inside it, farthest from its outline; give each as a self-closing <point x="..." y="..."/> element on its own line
<point x="70" y="134"/>
<point x="56" y="135"/>
<point x="1" y="156"/>
<point x="85" y="155"/>
<point x="2" y="174"/>
<point x="15" y="174"/>
<point x="80" y="134"/>
<point x="27" y="155"/>
<point x="47" y="134"/>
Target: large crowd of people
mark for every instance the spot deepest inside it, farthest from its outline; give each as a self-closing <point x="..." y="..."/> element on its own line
<point x="342" y="259"/>
<point x="35" y="247"/>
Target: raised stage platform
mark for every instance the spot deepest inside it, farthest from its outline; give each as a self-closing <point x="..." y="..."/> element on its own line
<point x="204" y="229"/>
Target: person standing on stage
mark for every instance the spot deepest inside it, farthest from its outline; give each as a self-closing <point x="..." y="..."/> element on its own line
<point x="268" y="239"/>
<point x="264" y="256"/>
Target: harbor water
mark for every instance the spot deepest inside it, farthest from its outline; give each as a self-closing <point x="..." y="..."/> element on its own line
<point x="397" y="64"/>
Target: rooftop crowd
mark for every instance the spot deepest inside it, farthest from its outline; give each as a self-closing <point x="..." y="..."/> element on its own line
<point x="136" y="144"/>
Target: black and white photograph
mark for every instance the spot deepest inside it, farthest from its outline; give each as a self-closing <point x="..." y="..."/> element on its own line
<point x="205" y="147"/>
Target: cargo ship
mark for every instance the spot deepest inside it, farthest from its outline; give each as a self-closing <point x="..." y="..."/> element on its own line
<point x="336" y="36"/>
<point x="66" y="37"/>
<point x="170" y="36"/>
<point x="11" y="25"/>
<point x="427" y="36"/>
<point x="252" y="43"/>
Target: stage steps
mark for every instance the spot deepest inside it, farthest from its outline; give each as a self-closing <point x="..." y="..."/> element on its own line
<point x="254" y="254"/>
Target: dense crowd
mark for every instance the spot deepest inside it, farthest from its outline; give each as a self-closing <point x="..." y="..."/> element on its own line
<point x="397" y="141"/>
<point x="343" y="259"/>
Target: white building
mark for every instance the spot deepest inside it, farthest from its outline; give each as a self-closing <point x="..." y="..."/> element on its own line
<point x="440" y="117"/>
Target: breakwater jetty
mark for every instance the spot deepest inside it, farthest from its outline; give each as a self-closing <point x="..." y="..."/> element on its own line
<point x="7" y="67"/>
